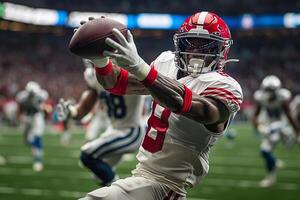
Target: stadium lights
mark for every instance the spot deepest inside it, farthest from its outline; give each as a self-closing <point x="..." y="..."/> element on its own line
<point x="48" y="17"/>
<point x="291" y="20"/>
<point x="75" y="17"/>
<point x="25" y="14"/>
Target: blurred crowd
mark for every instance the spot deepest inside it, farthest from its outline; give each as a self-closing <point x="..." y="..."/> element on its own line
<point x="46" y="59"/>
<point x="228" y="7"/>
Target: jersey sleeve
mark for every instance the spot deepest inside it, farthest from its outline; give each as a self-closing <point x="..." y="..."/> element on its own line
<point x="21" y="97"/>
<point x="257" y="96"/>
<point x="227" y="91"/>
<point x="91" y="80"/>
<point x="285" y="95"/>
<point x="163" y="64"/>
<point x="44" y="95"/>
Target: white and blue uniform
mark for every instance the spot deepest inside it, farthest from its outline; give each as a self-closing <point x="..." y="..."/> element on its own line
<point x="272" y="120"/>
<point x="33" y="115"/>
<point x="123" y="135"/>
<point x="31" y="104"/>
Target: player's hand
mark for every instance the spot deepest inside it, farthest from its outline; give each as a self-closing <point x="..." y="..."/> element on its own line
<point x="126" y="54"/>
<point x="62" y="111"/>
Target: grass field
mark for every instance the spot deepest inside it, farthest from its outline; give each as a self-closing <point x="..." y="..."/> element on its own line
<point x="234" y="173"/>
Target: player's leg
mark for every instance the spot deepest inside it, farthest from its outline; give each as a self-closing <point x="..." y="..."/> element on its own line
<point x="113" y="143"/>
<point x="36" y="141"/>
<point x="98" y="124"/>
<point x="132" y="188"/>
<point x="66" y="135"/>
<point x="270" y="160"/>
<point x="27" y="127"/>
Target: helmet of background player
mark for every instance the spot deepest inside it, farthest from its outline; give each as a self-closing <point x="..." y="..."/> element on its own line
<point x="33" y="87"/>
<point x="271" y="82"/>
<point x="202" y="43"/>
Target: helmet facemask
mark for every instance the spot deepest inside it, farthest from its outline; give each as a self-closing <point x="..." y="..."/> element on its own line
<point x="198" y="53"/>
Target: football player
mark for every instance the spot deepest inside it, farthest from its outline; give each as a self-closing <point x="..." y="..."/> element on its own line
<point x="194" y="101"/>
<point x="272" y="118"/>
<point x="31" y="113"/>
<point x="124" y="133"/>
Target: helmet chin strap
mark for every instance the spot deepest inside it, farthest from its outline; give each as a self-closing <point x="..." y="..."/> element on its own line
<point x="196" y="66"/>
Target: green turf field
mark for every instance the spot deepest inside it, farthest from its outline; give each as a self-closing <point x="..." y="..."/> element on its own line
<point x="234" y="173"/>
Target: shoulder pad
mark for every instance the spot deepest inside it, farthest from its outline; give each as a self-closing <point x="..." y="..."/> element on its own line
<point x="165" y="56"/>
<point x="284" y="94"/>
<point x="258" y="95"/>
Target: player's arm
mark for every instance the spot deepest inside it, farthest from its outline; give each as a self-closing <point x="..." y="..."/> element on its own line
<point x="20" y="111"/>
<point x="287" y="111"/>
<point x="166" y="91"/>
<point x="116" y="80"/>
<point x="85" y="104"/>
<point x="255" y="116"/>
<point x="65" y="109"/>
<point x="171" y="94"/>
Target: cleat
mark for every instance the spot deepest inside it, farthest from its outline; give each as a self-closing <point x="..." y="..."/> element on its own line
<point x="268" y="181"/>
<point x="37" y="166"/>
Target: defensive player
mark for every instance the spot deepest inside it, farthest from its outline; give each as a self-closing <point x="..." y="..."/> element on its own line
<point x="31" y="114"/>
<point x="123" y="135"/>
<point x="194" y="101"/>
<point x="272" y="118"/>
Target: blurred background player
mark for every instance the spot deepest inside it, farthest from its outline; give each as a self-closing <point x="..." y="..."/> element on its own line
<point x="273" y="119"/>
<point x="89" y="110"/>
<point x="31" y="114"/>
<point x="124" y="129"/>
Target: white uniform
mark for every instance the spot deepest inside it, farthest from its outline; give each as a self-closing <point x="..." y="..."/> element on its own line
<point x="125" y="131"/>
<point x="34" y="119"/>
<point x="174" y="153"/>
<point x="273" y="123"/>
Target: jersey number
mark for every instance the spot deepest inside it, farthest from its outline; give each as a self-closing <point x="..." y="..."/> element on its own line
<point x="116" y="105"/>
<point x="157" y="128"/>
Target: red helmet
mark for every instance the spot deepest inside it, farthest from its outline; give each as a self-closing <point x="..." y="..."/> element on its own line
<point x="202" y="43"/>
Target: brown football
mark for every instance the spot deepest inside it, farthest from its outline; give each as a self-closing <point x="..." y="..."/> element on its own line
<point x="89" y="40"/>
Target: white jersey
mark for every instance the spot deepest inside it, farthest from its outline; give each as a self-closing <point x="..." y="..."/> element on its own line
<point x="175" y="148"/>
<point x="31" y="102"/>
<point x="272" y="110"/>
<point x="123" y="111"/>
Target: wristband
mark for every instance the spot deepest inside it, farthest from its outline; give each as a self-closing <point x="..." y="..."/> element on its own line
<point x="151" y="77"/>
<point x="121" y="85"/>
<point x="103" y="71"/>
<point x="187" y="100"/>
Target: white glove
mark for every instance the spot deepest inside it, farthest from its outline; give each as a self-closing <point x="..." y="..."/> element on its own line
<point x="64" y="110"/>
<point x="126" y="54"/>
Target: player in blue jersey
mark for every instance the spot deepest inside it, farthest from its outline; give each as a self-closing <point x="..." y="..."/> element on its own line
<point x="124" y="129"/>
<point x="32" y="116"/>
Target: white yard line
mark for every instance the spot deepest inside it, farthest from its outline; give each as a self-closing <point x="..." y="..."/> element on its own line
<point x="40" y="192"/>
<point x="248" y="184"/>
